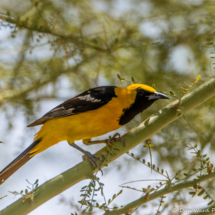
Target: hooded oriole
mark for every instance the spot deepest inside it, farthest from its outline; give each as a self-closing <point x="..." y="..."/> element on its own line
<point x="92" y="113"/>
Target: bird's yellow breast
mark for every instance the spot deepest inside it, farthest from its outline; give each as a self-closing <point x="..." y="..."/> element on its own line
<point x="85" y="125"/>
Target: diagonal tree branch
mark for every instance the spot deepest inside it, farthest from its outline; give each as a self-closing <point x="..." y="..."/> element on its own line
<point x="134" y="137"/>
<point x="168" y="189"/>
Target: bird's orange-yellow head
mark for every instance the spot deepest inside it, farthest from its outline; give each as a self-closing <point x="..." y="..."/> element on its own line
<point x="140" y="97"/>
<point x="146" y="92"/>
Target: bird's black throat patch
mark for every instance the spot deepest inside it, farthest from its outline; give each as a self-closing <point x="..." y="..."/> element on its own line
<point x="140" y="104"/>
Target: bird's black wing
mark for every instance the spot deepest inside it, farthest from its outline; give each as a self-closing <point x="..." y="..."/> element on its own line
<point x="88" y="100"/>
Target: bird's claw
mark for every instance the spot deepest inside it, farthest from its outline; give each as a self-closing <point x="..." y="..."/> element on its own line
<point x="92" y="158"/>
<point x="116" y="137"/>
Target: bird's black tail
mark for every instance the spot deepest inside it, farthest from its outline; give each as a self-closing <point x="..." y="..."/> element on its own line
<point x="24" y="157"/>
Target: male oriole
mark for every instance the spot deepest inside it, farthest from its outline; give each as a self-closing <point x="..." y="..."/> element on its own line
<point x="92" y="113"/>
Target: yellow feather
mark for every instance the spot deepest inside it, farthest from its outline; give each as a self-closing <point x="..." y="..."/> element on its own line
<point x="89" y="124"/>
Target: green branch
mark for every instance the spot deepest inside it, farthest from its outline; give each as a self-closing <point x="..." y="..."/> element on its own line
<point x="47" y="30"/>
<point x="168" y="189"/>
<point x="17" y="94"/>
<point x="134" y="137"/>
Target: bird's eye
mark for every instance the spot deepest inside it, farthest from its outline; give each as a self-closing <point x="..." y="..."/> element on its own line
<point x="140" y="91"/>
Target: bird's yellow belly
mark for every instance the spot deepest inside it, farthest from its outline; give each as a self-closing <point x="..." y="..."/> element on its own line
<point x="90" y="124"/>
<point x="80" y="126"/>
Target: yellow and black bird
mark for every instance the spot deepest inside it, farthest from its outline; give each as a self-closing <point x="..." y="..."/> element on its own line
<point x="92" y="113"/>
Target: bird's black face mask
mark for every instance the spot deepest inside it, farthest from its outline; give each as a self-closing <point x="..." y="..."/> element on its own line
<point x="143" y="100"/>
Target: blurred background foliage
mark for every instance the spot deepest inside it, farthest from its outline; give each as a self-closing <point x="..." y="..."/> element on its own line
<point x="54" y="49"/>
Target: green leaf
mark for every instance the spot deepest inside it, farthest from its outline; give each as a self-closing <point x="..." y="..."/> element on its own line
<point x="151" y="145"/>
<point x="183" y="90"/>
<point x="120" y="192"/>
<point x="144" y="190"/>
<point x="114" y="196"/>
<point x="171" y="93"/>
<point x="85" y="195"/>
<point x="14" y="192"/>
<point x="153" y="85"/>
<point x="102" y="205"/>
<point x="187" y="84"/>
<point x="84" y="210"/>
<point x="205" y="197"/>
<point x="151" y="190"/>
<point x="211" y="202"/>
<point x="119" y="76"/>
<point x="89" y="203"/>
<point x="209" y="43"/>
<point x="121" y="79"/>
<point x="201" y="192"/>
<point x="83" y="202"/>
<point x="192" y="193"/>
<point x="132" y="79"/>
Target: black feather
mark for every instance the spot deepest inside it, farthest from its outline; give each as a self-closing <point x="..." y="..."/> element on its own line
<point x="24" y="157"/>
<point x="88" y="100"/>
<point x="140" y="104"/>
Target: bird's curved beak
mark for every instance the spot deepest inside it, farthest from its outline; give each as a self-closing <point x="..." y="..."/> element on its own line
<point x="157" y="95"/>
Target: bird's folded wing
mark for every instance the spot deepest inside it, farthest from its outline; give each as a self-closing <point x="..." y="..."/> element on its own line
<point x="89" y="100"/>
